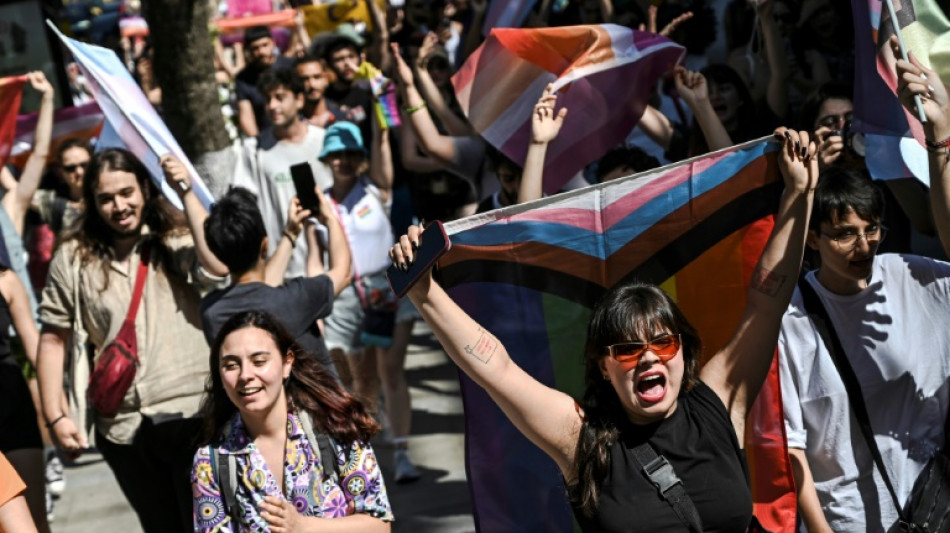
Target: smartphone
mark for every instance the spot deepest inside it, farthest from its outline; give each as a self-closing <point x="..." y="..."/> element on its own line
<point x="302" y="175"/>
<point x="432" y="244"/>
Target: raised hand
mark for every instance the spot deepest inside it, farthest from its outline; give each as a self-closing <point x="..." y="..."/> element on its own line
<point x="545" y="123"/>
<point x="296" y="215"/>
<point x="797" y="161"/>
<point x="830" y="147"/>
<point x="39" y="82"/>
<point x="426" y="49"/>
<point x="176" y="174"/>
<point x="690" y="85"/>
<point x="403" y="71"/>
<point x="914" y="79"/>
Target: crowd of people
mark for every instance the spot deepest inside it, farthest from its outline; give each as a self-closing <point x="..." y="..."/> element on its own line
<point x="268" y="350"/>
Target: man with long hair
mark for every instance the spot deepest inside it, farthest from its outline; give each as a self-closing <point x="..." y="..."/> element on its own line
<point x="149" y="441"/>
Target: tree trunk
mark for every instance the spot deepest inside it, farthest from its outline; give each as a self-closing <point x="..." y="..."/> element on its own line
<point x="184" y="69"/>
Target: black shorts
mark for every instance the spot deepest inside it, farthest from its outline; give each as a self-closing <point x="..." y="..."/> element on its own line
<point x="18" y="426"/>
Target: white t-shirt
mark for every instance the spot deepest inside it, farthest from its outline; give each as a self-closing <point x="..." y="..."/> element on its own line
<point x="274" y="188"/>
<point x="366" y="224"/>
<point x="895" y="335"/>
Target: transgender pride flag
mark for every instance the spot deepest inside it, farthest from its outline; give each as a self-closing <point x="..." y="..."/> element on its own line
<point x="532" y="272"/>
<point x="130" y="118"/>
<point x="604" y="73"/>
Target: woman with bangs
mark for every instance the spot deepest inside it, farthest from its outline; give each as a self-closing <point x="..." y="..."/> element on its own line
<point x="646" y="401"/>
<point x="286" y="447"/>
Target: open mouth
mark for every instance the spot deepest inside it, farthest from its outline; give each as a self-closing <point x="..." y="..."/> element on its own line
<point x="251" y="391"/>
<point x="651" y="387"/>
<point x="863" y="263"/>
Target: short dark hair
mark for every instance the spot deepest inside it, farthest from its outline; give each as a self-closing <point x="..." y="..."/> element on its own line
<point x="339" y="42"/>
<point x="308" y="58"/>
<point x="841" y="190"/>
<point x="256" y="32"/>
<point x="234" y="230"/>
<point x="280" y="77"/>
<point x="497" y="159"/>
<point x="841" y="90"/>
<point x="633" y="157"/>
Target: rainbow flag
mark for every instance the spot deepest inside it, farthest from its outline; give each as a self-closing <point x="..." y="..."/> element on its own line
<point x="131" y="121"/>
<point x="532" y="272"/>
<point x="384" y="93"/>
<point x="604" y="74"/>
<point x="11" y="93"/>
<point x="889" y="129"/>
<point x="82" y="122"/>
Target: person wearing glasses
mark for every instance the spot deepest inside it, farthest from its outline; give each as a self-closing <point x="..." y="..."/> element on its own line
<point x="890" y="313"/>
<point x="643" y="383"/>
<point x="59" y="208"/>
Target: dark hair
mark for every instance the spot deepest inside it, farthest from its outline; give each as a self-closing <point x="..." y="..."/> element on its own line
<point x="69" y="144"/>
<point x="841" y="190"/>
<point x="308" y="58"/>
<point x="234" y="230"/>
<point x="633" y="157"/>
<point x="339" y="42"/>
<point x="496" y="159"/>
<point x="747" y="119"/>
<point x="310" y="386"/>
<point x="274" y="78"/>
<point x="256" y="32"/>
<point x="94" y="235"/>
<point x="630" y="310"/>
<point x="841" y="90"/>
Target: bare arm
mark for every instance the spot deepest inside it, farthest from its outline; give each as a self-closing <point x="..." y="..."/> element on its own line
<point x="246" y="119"/>
<point x="195" y="213"/>
<point x="50" y="362"/>
<point x="692" y="88"/>
<point x="545" y="126"/>
<point x="378" y="53"/>
<point x="277" y="263"/>
<point x="915" y="79"/>
<point x="777" y="93"/>
<point x="435" y="102"/>
<point x="545" y="416"/>
<point x="33" y="170"/>
<point x="409" y="151"/>
<point x="341" y="264"/>
<point x="736" y="372"/>
<point x="606" y="11"/>
<point x="656" y="126"/>
<point x="381" y="162"/>
<point x="809" y="508"/>
<point x="15" y="516"/>
<point x="473" y="37"/>
<point x="432" y="142"/>
<point x="282" y="516"/>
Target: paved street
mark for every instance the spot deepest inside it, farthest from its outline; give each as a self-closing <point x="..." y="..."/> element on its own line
<point x="438" y="503"/>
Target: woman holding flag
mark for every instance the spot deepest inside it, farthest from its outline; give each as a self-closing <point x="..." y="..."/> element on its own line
<point x="650" y="416"/>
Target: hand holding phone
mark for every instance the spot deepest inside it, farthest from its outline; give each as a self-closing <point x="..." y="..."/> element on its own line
<point x="410" y="265"/>
<point x="306" y="186"/>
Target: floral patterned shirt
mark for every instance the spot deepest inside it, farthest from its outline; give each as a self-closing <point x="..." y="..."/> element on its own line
<point x="360" y="488"/>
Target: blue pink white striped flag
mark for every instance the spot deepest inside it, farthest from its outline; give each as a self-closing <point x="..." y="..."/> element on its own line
<point x="889" y="129"/>
<point x="604" y="73"/>
<point x="532" y="272"/>
<point x="130" y="114"/>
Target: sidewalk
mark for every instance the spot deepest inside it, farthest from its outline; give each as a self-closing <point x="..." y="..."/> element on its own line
<point x="437" y="503"/>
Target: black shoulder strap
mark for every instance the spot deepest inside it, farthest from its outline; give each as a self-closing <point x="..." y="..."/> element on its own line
<point x="226" y="474"/>
<point x="669" y="485"/>
<point x="324" y="445"/>
<point x="819" y="317"/>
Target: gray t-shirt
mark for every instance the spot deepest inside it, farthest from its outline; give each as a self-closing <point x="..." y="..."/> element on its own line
<point x="297" y="304"/>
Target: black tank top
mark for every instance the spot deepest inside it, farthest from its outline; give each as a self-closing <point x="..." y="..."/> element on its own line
<point x="700" y="442"/>
<point x="5" y="321"/>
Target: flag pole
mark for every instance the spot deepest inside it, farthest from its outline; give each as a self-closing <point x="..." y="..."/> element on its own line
<point x="900" y="43"/>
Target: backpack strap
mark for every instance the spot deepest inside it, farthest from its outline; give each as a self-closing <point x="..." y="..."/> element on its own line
<point x="669" y="485"/>
<point x="227" y="481"/>
<point x="322" y="445"/>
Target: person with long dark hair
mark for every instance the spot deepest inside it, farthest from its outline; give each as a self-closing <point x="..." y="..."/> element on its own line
<point x="128" y="231"/>
<point x="644" y="390"/>
<point x="266" y="400"/>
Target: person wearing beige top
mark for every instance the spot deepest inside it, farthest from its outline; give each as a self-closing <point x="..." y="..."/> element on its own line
<point x="149" y="443"/>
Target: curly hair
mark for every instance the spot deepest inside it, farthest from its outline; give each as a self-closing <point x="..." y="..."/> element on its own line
<point x="310" y="386"/>
<point x="93" y="234"/>
<point x="630" y="310"/>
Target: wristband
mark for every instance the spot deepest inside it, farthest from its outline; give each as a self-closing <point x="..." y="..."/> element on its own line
<point x="936" y="146"/>
<point x="291" y="238"/>
<point x="49" y="425"/>
<point x="413" y="109"/>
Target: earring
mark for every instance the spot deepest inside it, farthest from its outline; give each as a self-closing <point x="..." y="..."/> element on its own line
<point x="606" y="377"/>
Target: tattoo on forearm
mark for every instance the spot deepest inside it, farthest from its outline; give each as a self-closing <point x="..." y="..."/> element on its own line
<point x="767" y="282"/>
<point x="484" y="348"/>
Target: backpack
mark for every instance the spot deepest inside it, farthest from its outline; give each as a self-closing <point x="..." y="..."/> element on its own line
<point x="226" y="471"/>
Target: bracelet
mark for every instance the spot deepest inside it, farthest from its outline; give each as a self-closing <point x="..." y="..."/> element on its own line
<point x="936" y="146"/>
<point x="291" y="238"/>
<point x="49" y="425"/>
<point x="413" y="109"/>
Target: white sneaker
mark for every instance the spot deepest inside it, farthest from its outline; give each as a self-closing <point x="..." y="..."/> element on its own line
<point x="55" y="482"/>
<point x="406" y="472"/>
<point x="49" y="508"/>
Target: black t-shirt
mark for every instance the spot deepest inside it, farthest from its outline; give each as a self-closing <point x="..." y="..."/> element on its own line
<point x="5" y="321"/>
<point x="245" y="88"/>
<point x="356" y="103"/>
<point x="297" y="304"/>
<point x="700" y="442"/>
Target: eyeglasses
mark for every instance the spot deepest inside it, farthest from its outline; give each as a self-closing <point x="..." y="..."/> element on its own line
<point x="832" y="121"/>
<point x="628" y="353"/>
<point x="849" y="240"/>
<point x="74" y="168"/>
